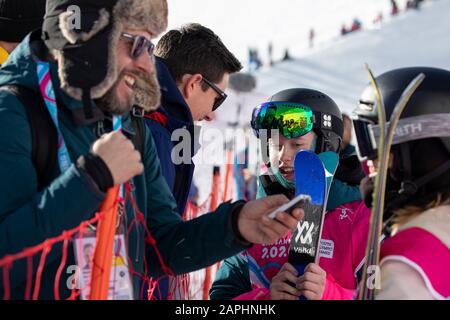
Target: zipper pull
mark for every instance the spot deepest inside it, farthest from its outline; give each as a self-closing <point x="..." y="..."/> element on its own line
<point x="100" y="130"/>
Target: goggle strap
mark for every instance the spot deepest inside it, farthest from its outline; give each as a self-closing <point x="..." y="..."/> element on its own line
<point x="414" y="128"/>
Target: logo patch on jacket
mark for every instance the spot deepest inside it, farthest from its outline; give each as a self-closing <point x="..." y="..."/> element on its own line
<point x="326" y="249"/>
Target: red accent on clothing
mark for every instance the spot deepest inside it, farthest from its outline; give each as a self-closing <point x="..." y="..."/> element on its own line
<point x="157" y="117"/>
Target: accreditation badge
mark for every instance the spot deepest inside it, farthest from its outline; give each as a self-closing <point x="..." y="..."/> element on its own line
<point x="120" y="285"/>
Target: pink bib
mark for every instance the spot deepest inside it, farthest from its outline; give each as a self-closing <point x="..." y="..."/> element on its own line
<point x="426" y="254"/>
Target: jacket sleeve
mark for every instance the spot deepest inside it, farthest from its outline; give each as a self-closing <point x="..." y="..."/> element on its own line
<point x="342" y="193"/>
<point x="255" y="294"/>
<point x="184" y="246"/>
<point x="27" y="217"/>
<point x="359" y="231"/>
<point x="232" y="279"/>
<point x="333" y="291"/>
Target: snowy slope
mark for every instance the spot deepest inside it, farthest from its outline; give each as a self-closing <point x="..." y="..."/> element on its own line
<point x="413" y="38"/>
<point x="254" y="23"/>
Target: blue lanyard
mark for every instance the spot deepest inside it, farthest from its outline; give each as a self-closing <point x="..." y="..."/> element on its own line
<point x="117" y="126"/>
<point x="46" y="87"/>
<point x="48" y="93"/>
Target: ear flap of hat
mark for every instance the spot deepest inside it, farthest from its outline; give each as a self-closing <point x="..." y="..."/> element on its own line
<point x="68" y="25"/>
<point x="85" y="67"/>
<point x="79" y="37"/>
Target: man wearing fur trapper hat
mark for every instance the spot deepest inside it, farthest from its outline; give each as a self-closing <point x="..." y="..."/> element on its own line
<point x="84" y="75"/>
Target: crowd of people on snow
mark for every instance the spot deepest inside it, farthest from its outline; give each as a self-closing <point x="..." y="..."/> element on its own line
<point x="255" y="62"/>
<point x="395" y="10"/>
<point x="65" y="89"/>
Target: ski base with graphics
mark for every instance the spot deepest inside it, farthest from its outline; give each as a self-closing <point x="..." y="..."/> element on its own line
<point x="310" y="181"/>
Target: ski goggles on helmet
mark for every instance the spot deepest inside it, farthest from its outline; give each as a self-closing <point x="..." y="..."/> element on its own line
<point x="408" y="129"/>
<point x="291" y="119"/>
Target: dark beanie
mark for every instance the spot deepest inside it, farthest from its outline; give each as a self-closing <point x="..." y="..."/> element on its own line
<point x="20" y="17"/>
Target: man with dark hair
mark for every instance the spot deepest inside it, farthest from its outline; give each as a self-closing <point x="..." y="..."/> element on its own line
<point x="193" y="67"/>
<point x="17" y="19"/>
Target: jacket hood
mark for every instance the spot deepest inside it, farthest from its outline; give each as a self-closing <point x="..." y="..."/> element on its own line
<point x="171" y="98"/>
<point x="174" y="107"/>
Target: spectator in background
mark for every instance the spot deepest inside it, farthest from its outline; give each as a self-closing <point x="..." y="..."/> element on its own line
<point x="350" y="168"/>
<point x="344" y="30"/>
<point x="251" y="56"/>
<point x="17" y="19"/>
<point x="347" y="137"/>
<point x="413" y="4"/>
<point x="394" y="9"/>
<point x="286" y="56"/>
<point x="253" y="59"/>
<point x="379" y="19"/>
<point x="356" y="25"/>
<point x="311" y="37"/>
<point x="270" y="53"/>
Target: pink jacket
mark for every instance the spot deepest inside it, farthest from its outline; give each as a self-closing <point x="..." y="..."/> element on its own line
<point x="342" y="252"/>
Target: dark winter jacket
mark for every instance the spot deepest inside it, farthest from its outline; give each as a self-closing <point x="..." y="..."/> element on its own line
<point x="350" y="169"/>
<point x="172" y="115"/>
<point x="29" y="217"/>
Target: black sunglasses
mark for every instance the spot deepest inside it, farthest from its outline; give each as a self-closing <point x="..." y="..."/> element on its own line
<point x="140" y="43"/>
<point x="222" y="95"/>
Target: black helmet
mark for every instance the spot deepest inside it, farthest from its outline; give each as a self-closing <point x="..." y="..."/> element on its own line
<point x="421" y="146"/>
<point x="327" y="123"/>
<point x="325" y="120"/>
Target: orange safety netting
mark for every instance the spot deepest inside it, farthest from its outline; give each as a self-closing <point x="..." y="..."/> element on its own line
<point x="178" y="290"/>
<point x="34" y="276"/>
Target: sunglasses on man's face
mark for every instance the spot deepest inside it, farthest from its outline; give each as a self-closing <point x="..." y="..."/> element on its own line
<point x="140" y="44"/>
<point x="222" y="95"/>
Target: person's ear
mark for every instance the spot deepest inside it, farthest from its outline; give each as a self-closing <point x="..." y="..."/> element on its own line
<point x="190" y="83"/>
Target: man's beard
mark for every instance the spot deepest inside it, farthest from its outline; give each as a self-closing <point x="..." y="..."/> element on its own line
<point x="145" y="95"/>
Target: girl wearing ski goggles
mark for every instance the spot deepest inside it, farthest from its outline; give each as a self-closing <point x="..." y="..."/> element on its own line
<point x="292" y="120"/>
<point x="308" y="119"/>
<point x="289" y="129"/>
